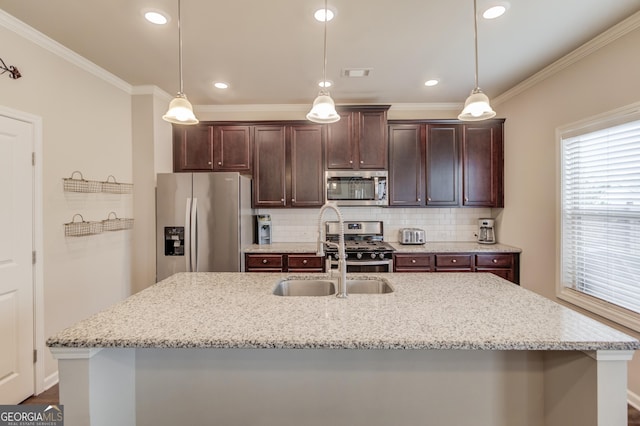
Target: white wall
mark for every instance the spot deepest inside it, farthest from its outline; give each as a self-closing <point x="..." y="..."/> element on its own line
<point x="602" y="81"/>
<point x="86" y="127"/>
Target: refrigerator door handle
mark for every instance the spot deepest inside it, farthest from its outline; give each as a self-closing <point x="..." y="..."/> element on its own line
<point x="187" y="235"/>
<point x="194" y="235"/>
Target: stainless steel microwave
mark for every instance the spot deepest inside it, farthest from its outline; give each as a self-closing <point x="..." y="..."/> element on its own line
<point x="357" y="187"/>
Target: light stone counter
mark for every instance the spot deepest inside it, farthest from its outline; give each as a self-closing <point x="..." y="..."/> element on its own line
<point x="219" y="348"/>
<point x="431" y="247"/>
<point x="455" y="247"/>
<point x="426" y="311"/>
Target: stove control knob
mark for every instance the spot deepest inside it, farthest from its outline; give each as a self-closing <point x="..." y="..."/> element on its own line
<point x="381" y="255"/>
<point x="359" y="255"/>
<point x="373" y="255"/>
<point x="336" y="256"/>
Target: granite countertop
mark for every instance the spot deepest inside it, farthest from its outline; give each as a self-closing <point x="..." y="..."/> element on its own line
<point x="431" y="247"/>
<point x="426" y="311"/>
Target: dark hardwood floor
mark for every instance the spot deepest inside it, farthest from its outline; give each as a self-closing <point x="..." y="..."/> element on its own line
<point x="52" y="396"/>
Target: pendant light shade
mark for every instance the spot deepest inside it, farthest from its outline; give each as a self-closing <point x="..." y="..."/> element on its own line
<point x="180" y="109"/>
<point x="324" y="109"/>
<point x="476" y="107"/>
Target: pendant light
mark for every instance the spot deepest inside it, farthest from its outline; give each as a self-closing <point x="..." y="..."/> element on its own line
<point x="476" y="107"/>
<point x="180" y="109"/>
<point x="324" y="109"/>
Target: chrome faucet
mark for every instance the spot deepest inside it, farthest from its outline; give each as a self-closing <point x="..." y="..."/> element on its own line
<point x="342" y="279"/>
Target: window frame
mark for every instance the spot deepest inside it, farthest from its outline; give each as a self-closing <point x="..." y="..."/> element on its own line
<point x="592" y="304"/>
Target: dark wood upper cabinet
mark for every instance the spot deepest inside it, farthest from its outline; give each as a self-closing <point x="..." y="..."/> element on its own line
<point x="483" y="164"/>
<point x="359" y="139"/>
<point x="192" y="148"/>
<point x="406" y="159"/>
<point x="288" y="166"/>
<point x="442" y="164"/>
<point x="232" y="149"/>
<point x="269" y="175"/>
<point x="463" y="163"/>
<point x="306" y="165"/>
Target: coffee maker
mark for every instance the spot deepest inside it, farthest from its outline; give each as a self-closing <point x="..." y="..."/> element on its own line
<point x="262" y="229"/>
<point x="486" y="231"/>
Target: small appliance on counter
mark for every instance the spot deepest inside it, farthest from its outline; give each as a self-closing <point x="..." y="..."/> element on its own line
<point x="262" y="229"/>
<point x="412" y="236"/>
<point x="486" y="231"/>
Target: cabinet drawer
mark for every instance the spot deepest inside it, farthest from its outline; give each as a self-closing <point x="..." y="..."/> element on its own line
<point x="304" y="261"/>
<point x="494" y="260"/>
<point x="453" y="260"/>
<point x="264" y="261"/>
<point x="407" y="260"/>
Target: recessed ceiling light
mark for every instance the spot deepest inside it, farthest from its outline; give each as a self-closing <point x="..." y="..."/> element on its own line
<point x="325" y="84"/>
<point x="221" y="85"/>
<point x="156" y="17"/>
<point x="322" y="14"/>
<point x="495" y="10"/>
<point x="430" y="83"/>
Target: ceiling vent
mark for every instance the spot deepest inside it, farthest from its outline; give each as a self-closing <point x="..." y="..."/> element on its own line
<point x="356" y="72"/>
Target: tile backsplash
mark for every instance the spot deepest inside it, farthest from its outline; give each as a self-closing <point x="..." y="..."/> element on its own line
<point x="445" y="224"/>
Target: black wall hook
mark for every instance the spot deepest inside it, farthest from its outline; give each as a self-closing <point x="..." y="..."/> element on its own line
<point x="13" y="71"/>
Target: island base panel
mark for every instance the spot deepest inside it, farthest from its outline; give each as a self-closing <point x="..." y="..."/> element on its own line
<point x="160" y="387"/>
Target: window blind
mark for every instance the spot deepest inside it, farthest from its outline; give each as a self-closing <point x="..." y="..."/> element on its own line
<point x="600" y="197"/>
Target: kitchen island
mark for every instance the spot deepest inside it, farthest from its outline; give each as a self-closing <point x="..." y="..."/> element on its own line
<point x="441" y="349"/>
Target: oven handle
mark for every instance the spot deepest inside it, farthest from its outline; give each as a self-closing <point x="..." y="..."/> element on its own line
<point x="365" y="262"/>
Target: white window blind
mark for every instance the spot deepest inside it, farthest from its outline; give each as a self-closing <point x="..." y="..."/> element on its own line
<point x="600" y="195"/>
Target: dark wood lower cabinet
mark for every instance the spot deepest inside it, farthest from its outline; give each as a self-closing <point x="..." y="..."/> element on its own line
<point x="505" y="265"/>
<point x="283" y="262"/>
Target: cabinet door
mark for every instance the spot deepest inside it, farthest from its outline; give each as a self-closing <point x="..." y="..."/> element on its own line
<point x="405" y="165"/>
<point x="232" y="149"/>
<point x="269" y="167"/>
<point x="307" y="169"/>
<point x="340" y="145"/>
<point x="372" y="139"/>
<point x="442" y="164"/>
<point x="192" y="148"/>
<point x="482" y="162"/>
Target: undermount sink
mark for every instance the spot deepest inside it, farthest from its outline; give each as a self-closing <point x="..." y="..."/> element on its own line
<point x="326" y="287"/>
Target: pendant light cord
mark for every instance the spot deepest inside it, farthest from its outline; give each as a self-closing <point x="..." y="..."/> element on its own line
<point x="180" y="49"/>
<point x="324" y="66"/>
<point x="475" y="36"/>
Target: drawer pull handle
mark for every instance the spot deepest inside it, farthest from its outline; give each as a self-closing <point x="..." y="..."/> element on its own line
<point x="454" y="261"/>
<point x="219" y="163"/>
<point x="264" y="261"/>
<point x="495" y="260"/>
<point x="304" y="262"/>
<point x="413" y="261"/>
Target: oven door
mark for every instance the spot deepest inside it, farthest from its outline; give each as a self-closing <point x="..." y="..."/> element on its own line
<point x="382" y="265"/>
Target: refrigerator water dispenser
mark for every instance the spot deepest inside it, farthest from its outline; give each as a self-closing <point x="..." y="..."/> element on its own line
<point x="174" y="241"/>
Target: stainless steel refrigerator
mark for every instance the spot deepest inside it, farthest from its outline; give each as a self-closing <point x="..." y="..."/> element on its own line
<point x="203" y="221"/>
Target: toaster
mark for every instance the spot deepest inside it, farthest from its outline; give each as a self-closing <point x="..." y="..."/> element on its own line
<point x="412" y="236"/>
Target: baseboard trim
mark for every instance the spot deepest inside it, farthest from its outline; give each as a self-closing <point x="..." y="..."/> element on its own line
<point x="633" y="399"/>
<point x="51" y="380"/>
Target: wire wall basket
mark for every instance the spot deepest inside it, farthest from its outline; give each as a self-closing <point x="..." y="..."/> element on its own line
<point x="116" y="187"/>
<point x="82" y="228"/>
<point x="116" y="224"/>
<point x="73" y="184"/>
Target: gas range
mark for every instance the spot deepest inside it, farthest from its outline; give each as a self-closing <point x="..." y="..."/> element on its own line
<point x="363" y="242"/>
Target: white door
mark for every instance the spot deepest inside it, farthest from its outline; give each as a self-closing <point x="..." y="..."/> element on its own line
<point x="16" y="268"/>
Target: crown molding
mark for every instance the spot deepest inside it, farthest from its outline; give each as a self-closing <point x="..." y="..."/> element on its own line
<point x="609" y="36"/>
<point x="441" y="106"/>
<point x="305" y="107"/>
<point x="20" y="28"/>
<point x="151" y="90"/>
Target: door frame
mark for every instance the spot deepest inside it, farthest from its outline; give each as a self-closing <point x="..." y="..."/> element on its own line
<point x="35" y="121"/>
